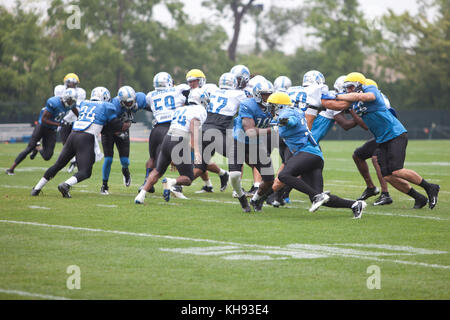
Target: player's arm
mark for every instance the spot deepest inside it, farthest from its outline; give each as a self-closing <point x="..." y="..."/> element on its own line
<point x="358" y="120"/>
<point x="75" y="110"/>
<point x="310" y="116"/>
<point x="46" y="118"/>
<point x="250" y="128"/>
<point x="345" y="123"/>
<point x="335" y="104"/>
<point x="194" y="129"/>
<point x="356" y="96"/>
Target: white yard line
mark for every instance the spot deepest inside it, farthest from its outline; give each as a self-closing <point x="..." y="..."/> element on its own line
<point x="33" y="295"/>
<point x="312" y="248"/>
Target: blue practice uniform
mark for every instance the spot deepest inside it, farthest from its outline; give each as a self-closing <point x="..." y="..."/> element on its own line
<point x="380" y="121"/>
<point x="57" y="110"/>
<point x="296" y="134"/>
<point x="249" y="108"/>
<point x="93" y="116"/>
<point x="126" y="114"/>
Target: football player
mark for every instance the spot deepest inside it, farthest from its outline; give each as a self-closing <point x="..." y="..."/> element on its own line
<point x="71" y="80"/>
<point x="179" y="143"/>
<point x="370" y="150"/>
<point x="223" y="106"/>
<point x="127" y="103"/>
<point x="307" y="159"/>
<point x="49" y="120"/>
<point x="163" y="101"/>
<point x="391" y="136"/>
<point x="308" y="96"/>
<point x="82" y="141"/>
<point x="253" y="145"/>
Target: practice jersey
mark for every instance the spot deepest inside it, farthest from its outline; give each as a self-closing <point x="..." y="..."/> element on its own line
<point x="380" y="121"/>
<point x="223" y="106"/>
<point x="164" y="102"/>
<point x="249" y="108"/>
<point x="81" y="96"/>
<point x="56" y="109"/>
<point x="93" y="116"/>
<point x="125" y="114"/>
<point x="296" y="134"/>
<point x="309" y="97"/>
<point x="182" y="117"/>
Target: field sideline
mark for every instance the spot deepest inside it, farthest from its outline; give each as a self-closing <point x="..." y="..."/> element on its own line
<point x="207" y="248"/>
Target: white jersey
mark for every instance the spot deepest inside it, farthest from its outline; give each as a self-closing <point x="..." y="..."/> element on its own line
<point x="225" y="102"/>
<point x="183" y="116"/>
<point x="59" y="90"/>
<point x="328" y="113"/>
<point x="164" y="102"/>
<point x="309" y="98"/>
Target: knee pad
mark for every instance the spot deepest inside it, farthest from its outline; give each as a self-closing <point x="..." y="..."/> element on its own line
<point x="125" y="161"/>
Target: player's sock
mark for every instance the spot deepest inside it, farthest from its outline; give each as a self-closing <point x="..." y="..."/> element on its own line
<point x="425" y="184"/>
<point x="414" y="194"/>
<point x="125" y="162"/>
<point x="256" y="184"/>
<point x="106" y="169"/>
<point x="256" y="197"/>
<point x="105" y="183"/>
<point x="222" y="172"/>
<point x="147" y="172"/>
<point x="71" y="181"/>
<point x="235" y="178"/>
<point x="208" y="183"/>
<point x="41" y="184"/>
<point x="336" y="202"/>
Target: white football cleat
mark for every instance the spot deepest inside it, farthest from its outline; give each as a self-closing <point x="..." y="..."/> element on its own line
<point x="140" y="198"/>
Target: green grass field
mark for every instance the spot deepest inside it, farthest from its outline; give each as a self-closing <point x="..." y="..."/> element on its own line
<point x="207" y="248"/>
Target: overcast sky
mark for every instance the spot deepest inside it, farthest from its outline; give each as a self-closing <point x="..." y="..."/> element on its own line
<point x="296" y="38"/>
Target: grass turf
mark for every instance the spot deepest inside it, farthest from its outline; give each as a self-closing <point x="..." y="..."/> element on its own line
<point x="206" y="248"/>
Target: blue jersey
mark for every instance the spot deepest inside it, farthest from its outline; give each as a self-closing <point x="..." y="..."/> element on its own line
<point x="57" y="111"/>
<point x="321" y="127"/>
<point x="296" y="134"/>
<point x="97" y="113"/>
<point x="141" y="103"/>
<point x="249" y="108"/>
<point x="380" y="121"/>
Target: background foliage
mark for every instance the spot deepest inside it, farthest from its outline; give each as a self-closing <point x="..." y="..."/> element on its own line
<point x="121" y="42"/>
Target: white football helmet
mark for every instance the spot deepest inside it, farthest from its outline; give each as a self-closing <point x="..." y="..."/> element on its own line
<point x="199" y="96"/>
<point x="313" y="77"/>
<point x="263" y="87"/>
<point x="162" y="80"/>
<point x="242" y="74"/>
<point x="100" y="94"/>
<point x="339" y="84"/>
<point x="127" y="97"/>
<point x="59" y="90"/>
<point x="69" y="97"/>
<point x="210" y="87"/>
<point x="282" y="83"/>
<point x="228" y="81"/>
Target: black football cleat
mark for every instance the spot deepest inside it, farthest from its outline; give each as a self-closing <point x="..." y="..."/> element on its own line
<point x="257" y="204"/>
<point x="35" y="192"/>
<point x="318" y="200"/>
<point x="369" y="192"/>
<point x="224" y="181"/>
<point x="250" y="193"/>
<point x="9" y="172"/>
<point x="383" y="200"/>
<point x="358" y="208"/>
<point x="420" y="202"/>
<point x="104" y="190"/>
<point x="244" y="204"/>
<point x="433" y="195"/>
<point x="64" y="188"/>
<point x="205" y="189"/>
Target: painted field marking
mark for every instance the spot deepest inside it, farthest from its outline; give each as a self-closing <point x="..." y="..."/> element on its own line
<point x="107" y="205"/>
<point x="38" y="207"/>
<point x="296" y="251"/>
<point x="33" y="295"/>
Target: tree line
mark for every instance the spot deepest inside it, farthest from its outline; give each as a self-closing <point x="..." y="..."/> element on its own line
<point x="122" y="42"/>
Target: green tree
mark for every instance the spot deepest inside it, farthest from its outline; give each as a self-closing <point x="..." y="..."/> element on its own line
<point x="414" y="55"/>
